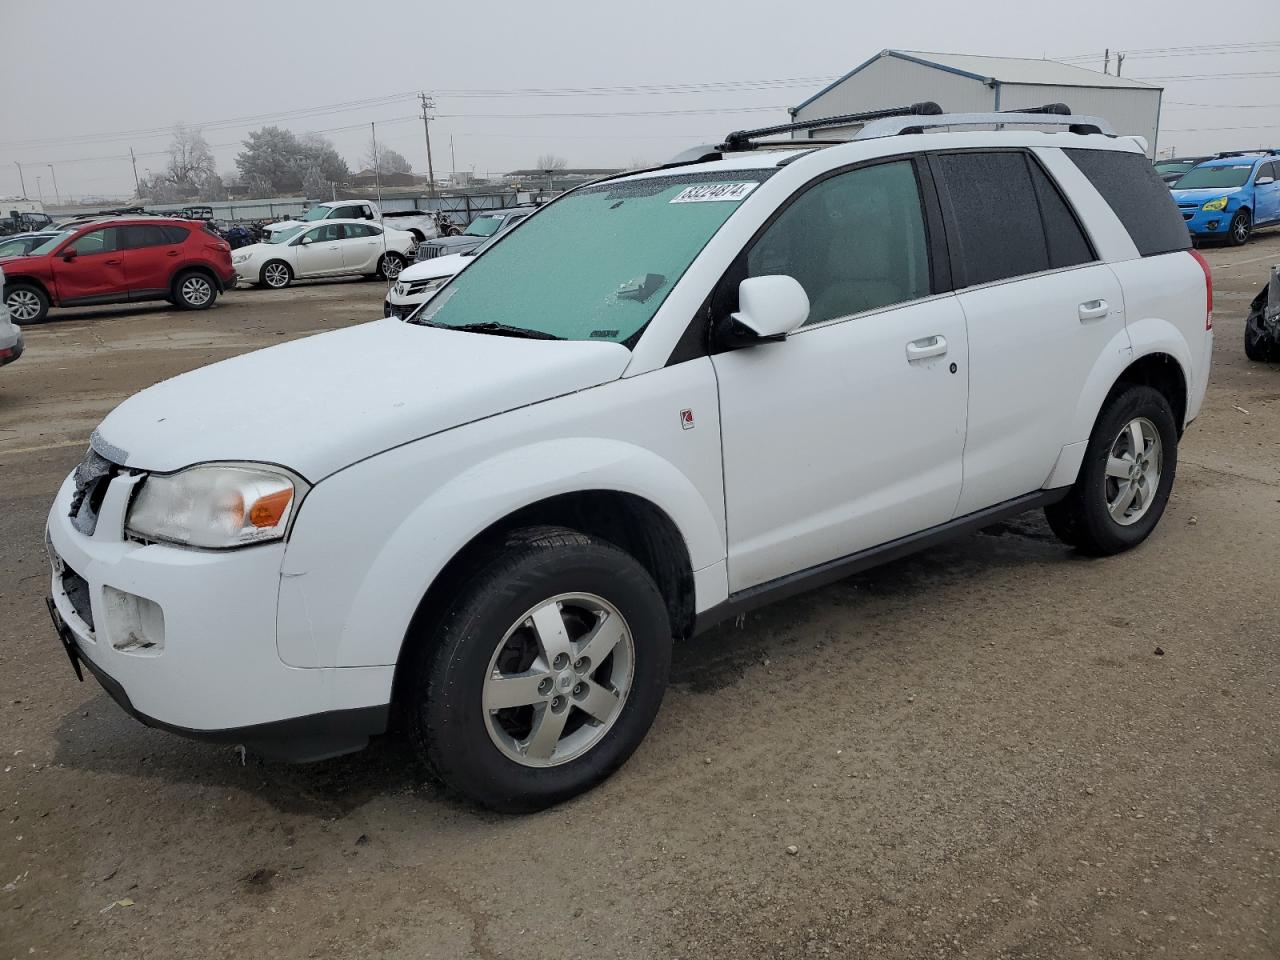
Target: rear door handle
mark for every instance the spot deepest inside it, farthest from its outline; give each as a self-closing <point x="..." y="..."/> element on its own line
<point x="112" y="263"/>
<point x="927" y="347"/>
<point x="172" y="253"/>
<point x="1093" y="310"/>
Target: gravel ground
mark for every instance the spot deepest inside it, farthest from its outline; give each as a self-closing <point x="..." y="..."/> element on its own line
<point x="993" y="749"/>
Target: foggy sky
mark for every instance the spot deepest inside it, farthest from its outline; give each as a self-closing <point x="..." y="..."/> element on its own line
<point x="92" y="71"/>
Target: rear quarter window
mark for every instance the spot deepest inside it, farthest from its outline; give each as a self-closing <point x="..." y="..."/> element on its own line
<point x="1137" y="196"/>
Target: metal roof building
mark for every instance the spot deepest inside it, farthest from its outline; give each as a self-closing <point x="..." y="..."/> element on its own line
<point x="961" y="83"/>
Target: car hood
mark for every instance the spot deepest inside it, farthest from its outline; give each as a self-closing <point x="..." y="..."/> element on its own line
<point x="458" y="241"/>
<point x="257" y="250"/>
<point x="322" y="403"/>
<point x="1201" y="194"/>
<point x="445" y="266"/>
<point x="282" y="225"/>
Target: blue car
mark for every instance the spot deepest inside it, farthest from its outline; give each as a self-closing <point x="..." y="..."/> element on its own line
<point x="1225" y="198"/>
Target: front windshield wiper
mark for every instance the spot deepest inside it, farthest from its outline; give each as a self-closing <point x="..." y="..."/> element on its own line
<point x="495" y="329"/>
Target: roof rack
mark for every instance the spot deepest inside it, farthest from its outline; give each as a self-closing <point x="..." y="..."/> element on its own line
<point x="1050" y="115"/>
<point x="743" y="139"/>
<point x="1261" y="151"/>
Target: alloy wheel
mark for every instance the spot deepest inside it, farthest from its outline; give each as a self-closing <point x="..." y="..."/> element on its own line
<point x="1133" y="471"/>
<point x="24" y="305"/>
<point x="276" y="275"/>
<point x="391" y="267"/>
<point x="196" y="291"/>
<point x="558" y="680"/>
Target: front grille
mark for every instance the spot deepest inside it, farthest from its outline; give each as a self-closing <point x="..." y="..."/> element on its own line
<point x="417" y="286"/>
<point x="1188" y="214"/>
<point x="428" y="251"/>
<point x="77" y="588"/>
<point x="400" y="310"/>
<point x="92" y="477"/>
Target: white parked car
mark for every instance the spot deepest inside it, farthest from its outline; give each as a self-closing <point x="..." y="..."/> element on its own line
<point x="422" y="224"/>
<point x="418" y="283"/>
<point x="10" y="332"/>
<point x="667" y="398"/>
<point x="330" y="249"/>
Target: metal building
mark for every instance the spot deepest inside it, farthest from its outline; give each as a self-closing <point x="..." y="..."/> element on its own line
<point x="960" y="83"/>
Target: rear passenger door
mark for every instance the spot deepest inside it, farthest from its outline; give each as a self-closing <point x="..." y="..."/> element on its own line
<point x="152" y="253"/>
<point x="361" y="247"/>
<point x="1039" y="308"/>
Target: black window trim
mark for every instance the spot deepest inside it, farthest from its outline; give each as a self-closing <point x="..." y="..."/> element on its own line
<point x="695" y="341"/>
<point x="951" y="225"/>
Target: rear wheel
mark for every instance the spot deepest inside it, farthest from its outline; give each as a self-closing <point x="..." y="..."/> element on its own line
<point x="1241" y="228"/>
<point x="544" y="675"/>
<point x="277" y="275"/>
<point x="26" y="304"/>
<point x="194" y="291"/>
<point x="1125" y="478"/>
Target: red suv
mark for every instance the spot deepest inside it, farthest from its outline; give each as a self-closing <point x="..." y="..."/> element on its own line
<point x="119" y="261"/>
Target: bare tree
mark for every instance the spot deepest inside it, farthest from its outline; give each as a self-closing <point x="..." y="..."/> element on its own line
<point x="190" y="160"/>
<point x="549" y="161"/>
<point x="383" y="159"/>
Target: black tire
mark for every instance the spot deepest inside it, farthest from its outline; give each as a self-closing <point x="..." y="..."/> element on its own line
<point x="279" y="278"/>
<point x="193" y="290"/>
<point x="1082" y="519"/>
<point x="21" y="298"/>
<point x="1241" y="228"/>
<point x="390" y="265"/>
<point x="444" y="684"/>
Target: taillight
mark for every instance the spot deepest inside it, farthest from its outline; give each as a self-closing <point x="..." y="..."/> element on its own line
<point x="1208" y="289"/>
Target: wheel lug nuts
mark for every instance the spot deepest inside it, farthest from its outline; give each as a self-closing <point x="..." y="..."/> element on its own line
<point x="544" y="685"/>
<point x="561" y="661"/>
<point x="577" y="689"/>
<point x="581" y="664"/>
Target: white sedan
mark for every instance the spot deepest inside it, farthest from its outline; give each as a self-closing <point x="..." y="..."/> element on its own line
<point x="333" y="248"/>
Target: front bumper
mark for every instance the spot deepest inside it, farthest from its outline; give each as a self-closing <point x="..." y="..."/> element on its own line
<point x="185" y="640"/>
<point x="1204" y="223"/>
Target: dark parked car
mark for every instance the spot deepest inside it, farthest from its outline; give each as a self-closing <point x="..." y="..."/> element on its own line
<point x="119" y="261"/>
<point x="23" y="243"/>
<point x="481" y="229"/>
<point x="1172" y="169"/>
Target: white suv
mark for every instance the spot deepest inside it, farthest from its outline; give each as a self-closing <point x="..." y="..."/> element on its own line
<point x="669" y="397"/>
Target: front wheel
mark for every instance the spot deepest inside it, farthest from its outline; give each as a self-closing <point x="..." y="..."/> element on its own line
<point x="1241" y="228"/>
<point x="544" y="675"/>
<point x="390" y="265"/>
<point x="27" y="304"/>
<point x="277" y="275"/>
<point x="1126" y="476"/>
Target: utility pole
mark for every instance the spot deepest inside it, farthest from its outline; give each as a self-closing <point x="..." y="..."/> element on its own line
<point x="427" y="106"/>
<point x="453" y="157"/>
<point x="1119" y="63"/>
<point x="40" y="191"/>
<point x="137" y="187"/>
<point x="57" y="198"/>
<point x="21" y="178"/>
<point x="1106" y="61"/>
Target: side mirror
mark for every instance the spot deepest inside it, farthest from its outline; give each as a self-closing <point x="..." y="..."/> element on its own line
<point x="70" y="254"/>
<point x="769" y="308"/>
<point x="1263" y="181"/>
<point x="306" y="240"/>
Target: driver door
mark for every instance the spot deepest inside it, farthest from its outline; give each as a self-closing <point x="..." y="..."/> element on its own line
<point x="90" y="269"/>
<point x="322" y="256"/>
<point x="850" y="433"/>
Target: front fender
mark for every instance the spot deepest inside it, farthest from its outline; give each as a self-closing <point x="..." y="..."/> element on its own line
<point x="350" y="589"/>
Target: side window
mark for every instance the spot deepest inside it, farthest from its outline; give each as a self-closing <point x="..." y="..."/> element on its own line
<point x="345" y="213"/>
<point x="367" y="212"/>
<point x="330" y="231"/>
<point x="95" y="241"/>
<point x="138" y="236"/>
<point x="177" y="234"/>
<point x="359" y="231"/>
<point x="995" y="228"/>
<point x="1137" y="196"/>
<point x="855" y="242"/>
<point x="1068" y="246"/>
<point x="1269" y="170"/>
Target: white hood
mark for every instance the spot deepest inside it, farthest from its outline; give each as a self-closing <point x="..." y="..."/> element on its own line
<point x="282" y="225"/>
<point x="320" y="404"/>
<point x="435" y="267"/>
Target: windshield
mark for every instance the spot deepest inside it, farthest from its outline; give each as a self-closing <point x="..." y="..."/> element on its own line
<point x="483" y="227"/>
<point x="1174" y="166"/>
<point x="1201" y="177"/>
<point x="281" y="236"/>
<point x="48" y="245"/>
<point x="596" y="264"/>
<point x="316" y="213"/>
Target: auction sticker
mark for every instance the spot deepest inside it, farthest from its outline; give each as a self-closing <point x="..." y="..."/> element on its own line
<point x="709" y="192"/>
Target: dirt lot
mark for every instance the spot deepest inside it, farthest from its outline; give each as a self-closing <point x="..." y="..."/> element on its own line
<point x="980" y="751"/>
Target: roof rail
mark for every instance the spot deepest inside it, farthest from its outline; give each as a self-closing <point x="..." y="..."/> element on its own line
<point x="1060" y="109"/>
<point x="894" y="126"/>
<point x="742" y="139"/>
<point x="1260" y="151"/>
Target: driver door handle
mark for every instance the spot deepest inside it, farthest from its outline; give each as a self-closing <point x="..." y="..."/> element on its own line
<point x="926" y="347"/>
<point x="112" y="263"/>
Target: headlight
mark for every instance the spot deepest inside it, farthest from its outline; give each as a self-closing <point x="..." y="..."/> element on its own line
<point x="436" y="284"/>
<point x="216" y="506"/>
<point x="240" y="257"/>
<point x="1219" y="204"/>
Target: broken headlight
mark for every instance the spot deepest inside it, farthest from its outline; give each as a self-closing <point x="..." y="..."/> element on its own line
<point x="216" y="506"/>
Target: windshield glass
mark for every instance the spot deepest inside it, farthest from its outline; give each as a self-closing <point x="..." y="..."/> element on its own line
<point x="596" y="264"/>
<point x="281" y="236"/>
<point x="315" y="213"/>
<point x="1202" y="177"/>
<point x="48" y="245"/>
<point x="483" y="227"/>
<point x="1174" y="166"/>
